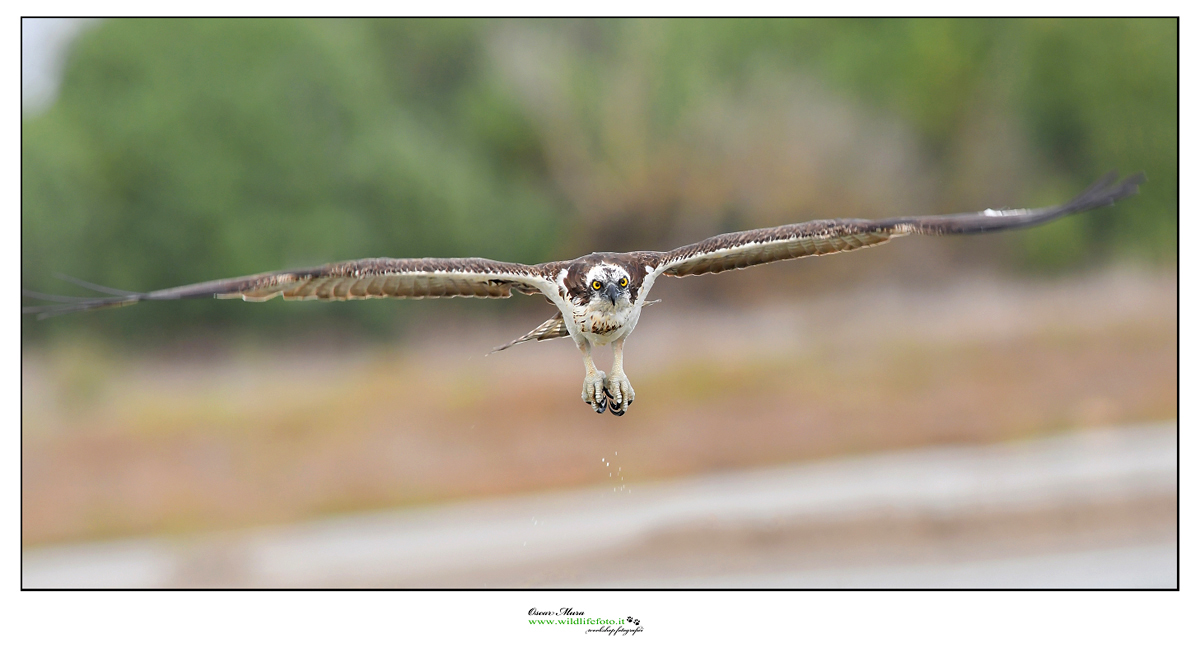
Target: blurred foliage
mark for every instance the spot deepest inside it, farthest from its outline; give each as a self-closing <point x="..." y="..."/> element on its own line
<point x="184" y="150"/>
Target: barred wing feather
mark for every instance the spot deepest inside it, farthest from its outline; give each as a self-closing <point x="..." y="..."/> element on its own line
<point x="754" y="247"/>
<point x="361" y="279"/>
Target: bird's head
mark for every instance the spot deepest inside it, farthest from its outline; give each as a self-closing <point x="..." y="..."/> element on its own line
<point x="607" y="287"/>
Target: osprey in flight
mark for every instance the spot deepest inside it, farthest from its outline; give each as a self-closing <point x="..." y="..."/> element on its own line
<point x="599" y="296"/>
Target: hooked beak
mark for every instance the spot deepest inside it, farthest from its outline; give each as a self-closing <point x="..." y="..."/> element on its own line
<point x="612" y="292"/>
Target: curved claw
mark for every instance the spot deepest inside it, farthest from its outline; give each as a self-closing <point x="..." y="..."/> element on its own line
<point x="594" y="393"/>
<point x="620" y="394"/>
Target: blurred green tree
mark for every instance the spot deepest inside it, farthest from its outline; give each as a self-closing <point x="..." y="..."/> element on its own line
<point x="1089" y="95"/>
<point x="183" y="150"/>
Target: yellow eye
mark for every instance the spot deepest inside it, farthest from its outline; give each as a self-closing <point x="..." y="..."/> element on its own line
<point x="624" y="282"/>
<point x="595" y="285"/>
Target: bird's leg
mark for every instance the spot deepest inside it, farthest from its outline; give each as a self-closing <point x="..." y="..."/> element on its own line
<point x="593" y="380"/>
<point x="617" y="387"/>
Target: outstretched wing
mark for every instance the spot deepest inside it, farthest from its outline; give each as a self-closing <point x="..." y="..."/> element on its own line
<point x="743" y="249"/>
<point x="361" y="279"/>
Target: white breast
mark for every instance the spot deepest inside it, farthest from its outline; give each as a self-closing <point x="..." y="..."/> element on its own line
<point x="603" y="326"/>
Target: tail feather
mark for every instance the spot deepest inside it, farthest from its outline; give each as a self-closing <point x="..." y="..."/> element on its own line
<point x="552" y="328"/>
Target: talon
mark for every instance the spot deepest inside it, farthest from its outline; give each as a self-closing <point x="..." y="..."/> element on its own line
<point x="614" y="397"/>
<point x="594" y="393"/>
<point x="620" y="393"/>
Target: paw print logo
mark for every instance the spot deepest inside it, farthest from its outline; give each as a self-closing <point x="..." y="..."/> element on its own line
<point x="634" y="621"/>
